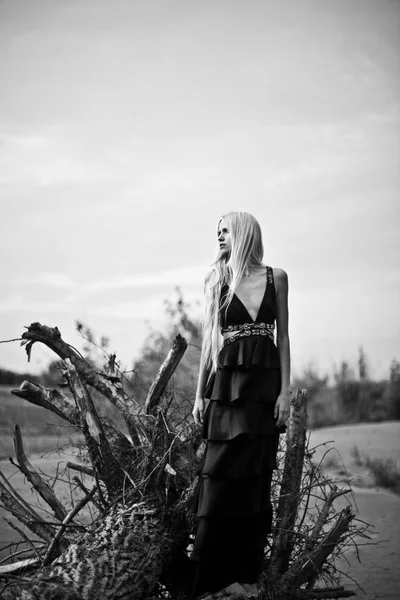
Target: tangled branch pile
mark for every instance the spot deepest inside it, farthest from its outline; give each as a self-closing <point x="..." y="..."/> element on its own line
<point x="135" y="546"/>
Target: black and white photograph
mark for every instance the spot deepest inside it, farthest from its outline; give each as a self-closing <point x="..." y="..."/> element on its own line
<point x="199" y="299"/>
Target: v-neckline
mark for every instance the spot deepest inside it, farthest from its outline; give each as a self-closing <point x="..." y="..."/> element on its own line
<point x="262" y="300"/>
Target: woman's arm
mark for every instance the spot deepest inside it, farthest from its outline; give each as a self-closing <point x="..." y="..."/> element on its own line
<point x="198" y="408"/>
<point x="282" y="407"/>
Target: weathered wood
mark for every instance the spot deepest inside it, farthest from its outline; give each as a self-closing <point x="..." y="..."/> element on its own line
<point x="81" y="469"/>
<point x="32" y="557"/>
<point x="24" y="513"/>
<point x="51" y="337"/>
<point x="68" y="518"/>
<point x="33" y="476"/>
<point x="87" y="493"/>
<point x="29" y="553"/>
<point x="165" y="373"/>
<point x="323" y="515"/>
<point x="309" y="564"/>
<point x="52" y="400"/>
<point x="63" y="406"/>
<point x="121" y="558"/>
<point x="7" y="485"/>
<point x="16" y="567"/>
<point x="104" y="462"/>
<point x="289" y="497"/>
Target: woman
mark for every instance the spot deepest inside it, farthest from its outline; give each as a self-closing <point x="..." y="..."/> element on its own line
<point x="246" y="379"/>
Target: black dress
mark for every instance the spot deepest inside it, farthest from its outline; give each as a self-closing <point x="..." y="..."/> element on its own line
<point x="232" y="497"/>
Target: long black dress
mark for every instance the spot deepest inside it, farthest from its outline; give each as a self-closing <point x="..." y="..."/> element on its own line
<point x="232" y="497"/>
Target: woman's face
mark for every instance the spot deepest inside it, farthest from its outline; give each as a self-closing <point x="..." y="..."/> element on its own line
<point x="224" y="237"/>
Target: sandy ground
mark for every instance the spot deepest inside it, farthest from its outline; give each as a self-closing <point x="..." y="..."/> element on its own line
<point x="378" y="573"/>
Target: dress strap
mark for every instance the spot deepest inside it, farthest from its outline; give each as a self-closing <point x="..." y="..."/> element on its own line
<point x="270" y="275"/>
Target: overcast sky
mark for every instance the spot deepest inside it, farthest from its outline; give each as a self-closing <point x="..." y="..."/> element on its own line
<point x="127" y="128"/>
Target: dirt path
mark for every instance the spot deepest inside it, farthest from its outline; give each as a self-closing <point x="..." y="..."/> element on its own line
<point x="378" y="573"/>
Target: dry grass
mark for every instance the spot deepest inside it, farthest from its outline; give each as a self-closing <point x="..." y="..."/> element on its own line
<point x="385" y="471"/>
<point x="367" y="454"/>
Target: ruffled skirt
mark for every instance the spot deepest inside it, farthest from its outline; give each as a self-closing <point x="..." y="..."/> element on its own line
<point x="232" y="496"/>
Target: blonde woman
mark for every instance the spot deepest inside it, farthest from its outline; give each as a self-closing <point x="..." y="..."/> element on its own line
<point x="246" y="378"/>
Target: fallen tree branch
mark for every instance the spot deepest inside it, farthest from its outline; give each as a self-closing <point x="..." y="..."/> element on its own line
<point x="335" y="493"/>
<point x="52" y="400"/>
<point x="49" y="554"/>
<point x="86" y="492"/>
<point x="10" y="557"/>
<point x="309" y="563"/>
<point x="51" y="337"/>
<point x="103" y="460"/>
<point x="81" y="469"/>
<point x="9" y="571"/>
<point x="289" y="497"/>
<point x="33" y="476"/>
<point x="64" y="407"/>
<point x="122" y="557"/>
<point x="16" y="506"/>
<point x="165" y="373"/>
<point x="9" y="488"/>
<point x="70" y="525"/>
<point x="24" y="537"/>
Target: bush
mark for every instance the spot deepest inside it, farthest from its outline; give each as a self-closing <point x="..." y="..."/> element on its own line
<point x="386" y="471"/>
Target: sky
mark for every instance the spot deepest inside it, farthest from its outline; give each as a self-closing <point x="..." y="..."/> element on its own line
<point x="127" y="128"/>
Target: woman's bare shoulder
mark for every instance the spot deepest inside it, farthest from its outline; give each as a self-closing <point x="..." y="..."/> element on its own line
<point x="281" y="281"/>
<point x="279" y="274"/>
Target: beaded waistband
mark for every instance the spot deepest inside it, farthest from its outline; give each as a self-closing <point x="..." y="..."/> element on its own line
<point x="247" y="329"/>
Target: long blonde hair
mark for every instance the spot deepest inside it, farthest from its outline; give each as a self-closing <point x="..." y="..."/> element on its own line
<point x="246" y="254"/>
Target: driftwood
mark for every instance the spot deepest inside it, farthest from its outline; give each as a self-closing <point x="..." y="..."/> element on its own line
<point x="105" y="463"/>
<point x="113" y="391"/>
<point x="284" y="538"/>
<point x="165" y="373"/>
<point x="17" y="506"/>
<point x="141" y="486"/>
<point x="33" y="476"/>
<point x="68" y="518"/>
<point x="81" y="468"/>
<point x="52" y="400"/>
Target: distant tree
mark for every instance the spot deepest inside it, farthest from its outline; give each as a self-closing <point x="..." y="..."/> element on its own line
<point x="347" y="390"/>
<point x="8" y="377"/>
<point x="362" y="365"/>
<point x="311" y="380"/>
<point x="343" y="374"/>
<point x="392" y="393"/>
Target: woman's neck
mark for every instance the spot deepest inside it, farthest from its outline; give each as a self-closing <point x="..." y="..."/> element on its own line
<point x="254" y="270"/>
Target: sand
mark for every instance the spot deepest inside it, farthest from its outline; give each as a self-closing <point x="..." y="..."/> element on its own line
<point x="378" y="573"/>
